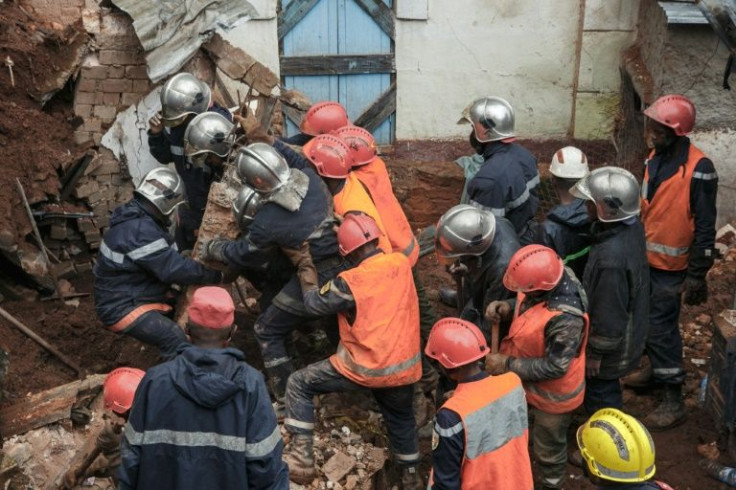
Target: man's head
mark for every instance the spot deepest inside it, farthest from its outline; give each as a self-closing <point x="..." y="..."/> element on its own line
<point x="211" y="317"/>
<point x="492" y="119"/>
<point x="612" y="194"/>
<point x="568" y="165"/>
<point x="616" y="448"/>
<point x="182" y="96"/>
<point x="357" y="236"/>
<point x="669" y="117"/>
<point x="463" y="232"/>
<point x="208" y="139"/>
<point x="457" y="345"/>
<point x="323" y="118"/>
<point x="119" y="388"/>
<point x="161" y="191"/>
<point x="533" y="270"/>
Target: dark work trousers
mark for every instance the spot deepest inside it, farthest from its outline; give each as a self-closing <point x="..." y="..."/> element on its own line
<point x="664" y="343"/>
<point x="286" y="313"/>
<point x="187" y="224"/>
<point x="427" y="319"/>
<point x="602" y="393"/>
<point x="322" y="377"/>
<point x="159" y="330"/>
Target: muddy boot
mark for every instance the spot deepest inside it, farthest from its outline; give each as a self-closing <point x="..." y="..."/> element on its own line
<point x="670" y="413"/>
<point x="299" y="456"/>
<point x="640" y="379"/>
<point x="279" y="408"/>
<point x="411" y="479"/>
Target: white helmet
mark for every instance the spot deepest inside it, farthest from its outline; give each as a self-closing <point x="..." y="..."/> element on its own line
<point x="182" y="95"/>
<point x="614" y="191"/>
<point x="569" y="163"/>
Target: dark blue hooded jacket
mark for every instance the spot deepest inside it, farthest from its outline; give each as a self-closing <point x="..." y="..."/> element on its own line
<point x="137" y="264"/>
<point x="567" y="231"/>
<point x="202" y="421"/>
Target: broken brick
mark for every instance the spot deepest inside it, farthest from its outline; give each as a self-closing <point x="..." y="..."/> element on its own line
<point x="139" y="72"/>
<point x="85" y="189"/>
<point x="231" y="60"/>
<point x="58" y="231"/>
<point x="82" y="137"/>
<point x="111" y="99"/>
<point x="92" y="124"/>
<point x="105" y="113"/>
<point x="84" y="98"/>
<point x="94" y="72"/>
<point x="338" y="466"/>
<point x="83" y="110"/>
<point x="117" y="85"/>
<point x="115" y="72"/>
<point x="86" y="84"/>
<point x="141" y="86"/>
<point x="85" y="224"/>
<point x="119" y="57"/>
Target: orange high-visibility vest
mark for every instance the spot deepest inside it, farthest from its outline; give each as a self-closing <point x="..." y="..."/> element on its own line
<point x="374" y="177"/>
<point x="526" y="340"/>
<point x="354" y="197"/>
<point x="669" y="225"/>
<point x="494" y="418"/>
<point x="381" y="347"/>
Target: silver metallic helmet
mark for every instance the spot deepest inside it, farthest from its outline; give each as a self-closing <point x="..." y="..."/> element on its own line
<point x="463" y="230"/>
<point x="245" y="206"/>
<point x="614" y="191"/>
<point x="261" y="167"/>
<point x="182" y="95"/>
<point x="209" y="132"/>
<point x="163" y="188"/>
<point x="492" y="119"/>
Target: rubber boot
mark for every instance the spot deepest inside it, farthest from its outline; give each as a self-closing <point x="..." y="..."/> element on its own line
<point x="277" y="378"/>
<point x="411" y="479"/>
<point x="670" y="413"/>
<point x="448" y="296"/>
<point x="299" y="456"/>
<point x="639" y="379"/>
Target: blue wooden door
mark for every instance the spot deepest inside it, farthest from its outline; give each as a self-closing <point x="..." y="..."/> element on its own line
<point x="342" y="50"/>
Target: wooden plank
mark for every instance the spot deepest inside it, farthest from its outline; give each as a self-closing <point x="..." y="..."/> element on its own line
<point x="381" y="14"/>
<point x="351" y="64"/>
<point x="293" y="14"/>
<point x="382" y="108"/>
<point x="294" y="115"/>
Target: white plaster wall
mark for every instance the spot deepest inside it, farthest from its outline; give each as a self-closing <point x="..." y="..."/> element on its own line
<point x="720" y="146"/>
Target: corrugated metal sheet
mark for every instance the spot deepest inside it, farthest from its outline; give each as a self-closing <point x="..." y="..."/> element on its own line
<point x="171" y="31"/>
<point x="683" y="13"/>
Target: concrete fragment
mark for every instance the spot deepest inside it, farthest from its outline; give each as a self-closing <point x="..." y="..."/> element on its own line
<point x="338" y="466"/>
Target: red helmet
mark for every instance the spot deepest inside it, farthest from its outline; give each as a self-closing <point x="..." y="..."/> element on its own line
<point x="674" y="111"/>
<point x="356" y="230"/>
<point x="533" y="268"/>
<point x="454" y="342"/>
<point x="330" y="156"/>
<point x="119" y="388"/>
<point x="361" y="143"/>
<point x="324" y="117"/>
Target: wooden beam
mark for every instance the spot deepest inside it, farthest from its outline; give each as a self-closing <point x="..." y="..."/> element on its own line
<point x="294" y="115"/>
<point x="351" y="64"/>
<point x="381" y="14"/>
<point x="382" y="108"/>
<point x="292" y="14"/>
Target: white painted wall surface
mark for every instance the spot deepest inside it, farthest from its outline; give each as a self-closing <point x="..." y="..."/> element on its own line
<point x="720" y="146"/>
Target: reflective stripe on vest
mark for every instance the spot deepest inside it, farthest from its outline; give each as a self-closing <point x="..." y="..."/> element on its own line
<point x="494" y="419"/>
<point x="354" y="197"/>
<point x="374" y="176"/>
<point x="131" y="317"/>
<point x="526" y="340"/>
<point x="137" y="254"/>
<point x="669" y="225"/>
<point x="381" y="347"/>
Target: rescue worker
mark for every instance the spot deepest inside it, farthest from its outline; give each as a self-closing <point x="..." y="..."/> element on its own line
<point x="118" y="391"/>
<point x="678" y="211"/>
<point x="139" y="264"/>
<point x="618" y="452"/>
<point x="378" y="349"/>
<point x="481" y="438"/>
<point x="616" y="281"/>
<point x="208" y="140"/>
<point x="546" y="348"/>
<point x="566" y="229"/>
<point x="296" y="207"/>
<point x="183" y="96"/>
<point x="204" y="419"/>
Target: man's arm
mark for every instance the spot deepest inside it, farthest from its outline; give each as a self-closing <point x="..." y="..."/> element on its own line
<point x="335" y="296"/>
<point x="703" y="192"/>
<point x="294" y="159"/>
<point x="487" y="194"/>
<point x="447" y="456"/>
<point x="160" y="147"/>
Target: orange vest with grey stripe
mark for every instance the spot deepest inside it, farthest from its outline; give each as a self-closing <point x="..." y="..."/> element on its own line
<point x="380" y="348"/>
<point x="374" y="177"/>
<point x="493" y="416"/>
<point x="354" y="197"/>
<point x="526" y="340"/>
<point x="669" y="225"/>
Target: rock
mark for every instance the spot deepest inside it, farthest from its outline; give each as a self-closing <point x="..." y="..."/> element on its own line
<point x="338" y="466"/>
<point x="726" y="235"/>
<point x="709" y="450"/>
<point x="351" y="482"/>
<point x="704" y="319"/>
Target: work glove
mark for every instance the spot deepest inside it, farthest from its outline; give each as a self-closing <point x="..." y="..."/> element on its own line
<point x="212" y="249"/>
<point x="156" y="123"/>
<point x="497" y="311"/>
<point x="695" y="290"/>
<point x="252" y="129"/>
<point x="230" y="275"/>
<point x="457" y="268"/>
<point x="301" y="258"/>
<point x="496" y="363"/>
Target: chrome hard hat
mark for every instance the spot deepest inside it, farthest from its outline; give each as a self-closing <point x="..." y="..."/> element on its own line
<point x="260" y="166"/>
<point x="163" y="188"/>
<point x="182" y="95"/>
<point x="614" y="191"/>
<point x="208" y="132"/>
<point x="464" y="230"/>
<point x="492" y="119"/>
<point x="245" y="206"/>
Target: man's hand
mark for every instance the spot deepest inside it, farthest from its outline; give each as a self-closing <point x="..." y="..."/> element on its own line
<point x="695" y="291"/>
<point x="212" y="249"/>
<point x="457" y="268"/>
<point x="496" y="363"/>
<point x="156" y="123"/>
<point x="301" y="258"/>
<point x="230" y="275"/>
<point x="497" y="311"/>
<point x="252" y="129"/>
<point x="592" y="367"/>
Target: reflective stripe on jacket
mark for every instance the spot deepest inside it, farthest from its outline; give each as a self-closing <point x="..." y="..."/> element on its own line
<point x="494" y="420"/>
<point x="380" y="348"/>
<point x="354" y="197"/>
<point x="526" y="340"/>
<point x="668" y="221"/>
<point x="375" y="178"/>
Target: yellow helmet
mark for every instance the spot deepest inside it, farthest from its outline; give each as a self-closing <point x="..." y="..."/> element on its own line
<point x="616" y="447"/>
